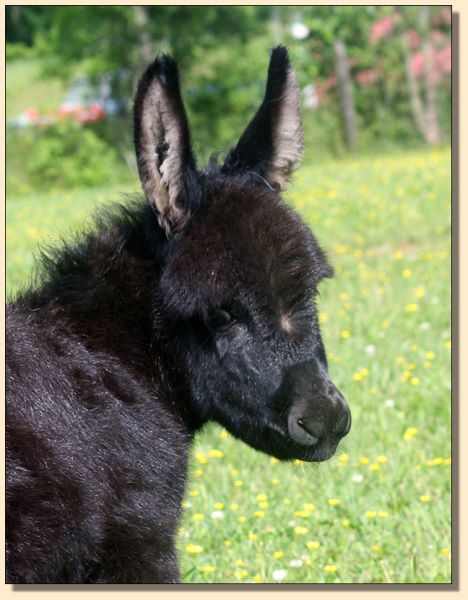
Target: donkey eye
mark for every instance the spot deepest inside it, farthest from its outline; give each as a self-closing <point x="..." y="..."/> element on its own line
<point x="221" y="318"/>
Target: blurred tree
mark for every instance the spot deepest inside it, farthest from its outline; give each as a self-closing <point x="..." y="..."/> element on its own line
<point x="222" y="54"/>
<point x="418" y="38"/>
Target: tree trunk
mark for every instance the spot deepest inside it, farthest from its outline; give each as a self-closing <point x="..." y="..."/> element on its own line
<point x="425" y="113"/>
<point x="141" y="18"/>
<point x="432" y="122"/>
<point x="346" y="93"/>
<point x="416" y="102"/>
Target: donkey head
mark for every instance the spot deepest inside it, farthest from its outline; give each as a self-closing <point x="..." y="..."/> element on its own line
<point x="241" y="270"/>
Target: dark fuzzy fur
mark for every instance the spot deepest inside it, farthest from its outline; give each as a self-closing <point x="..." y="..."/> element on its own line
<point x="119" y="356"/>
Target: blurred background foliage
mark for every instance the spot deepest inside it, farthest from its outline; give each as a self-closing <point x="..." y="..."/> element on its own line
<point x="372" y="78"/>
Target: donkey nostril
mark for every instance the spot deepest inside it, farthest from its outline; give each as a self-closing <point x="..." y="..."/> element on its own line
<point x="306" y="427"/>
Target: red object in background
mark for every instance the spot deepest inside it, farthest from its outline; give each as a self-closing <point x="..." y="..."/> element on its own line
<point x="441" y="63"/>
<point x="83" y="114"/>
<point x="32" y="115"/>
<point x="367" y="76"/>
<point x="382" y="28"/>
<point x="414" y="39"/>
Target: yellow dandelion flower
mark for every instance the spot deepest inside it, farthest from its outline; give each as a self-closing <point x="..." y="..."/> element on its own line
<point x="286" y="501"/>
<point x="234" y="472"/>
<point x="364" y="460"/>
<point x="300" y="530"/>
<point x="227" y="542"/>
<point x="238" y="483"/>
<point x="259" y="514"/>
<point x="194" y="548"/>
<point x="214" y="453"/>
<point x="420" y="292"/>
<point x="330" y="568"/>
<point x="297" y="461"/>
<point x="201" y="458"/>
<point x="263" y="504"/>
<point x="252" y="536"/>
<point x="385" y="324"/>
<point x="376" y="548"/>
<point x="275" y="481"/>
<point x="344" y="296"/>
<point x="398" y="255"/>
<point x="242" y="519"/>
<point x="257" y="579"/>
<point x="218" y="505"/>
<point x="261" y="497"/>
<point x="383" y="514"/>
<point x="323" y="318"/>
<point x="240" y="563"/>
<point x="309" y="506"/>
<point x="438" y="460"/>
<point x="415" y="381"/>
<point x="410" y="433"/>
<point x="278" y="554"/>
<point x="241" y="574"/>
<point x="400" y="360"/>
<point x="301" y="513"/>
<point x="234" y="507"/>
<point x="313" y="545"/>
<point x="198" y="517"/>
<point x="223" y="435"/>
<point x="181" y="530"/>
<point x="374" y="467"/>
<point x="430" y="355"/>
<point x="194" y="493"/>
<point x="406" y="273"/>
<point x="345" y="334"/>
<point x="334" y="501"/>
<point x="447" y="461"/>
<point x="411" y="307"/>
<point x="207" y="569"/>
<point x="274" y="461"/>
<point x="448" y="344"/>
<point x="381" y="459"/>
<point x="198" y="472"/>
<point x="371" y="514"/>
<point x="343" y="457"/>
<point x="345" y="522"/>
<point x="445" y="551"/>
<point x="425" y="498"/>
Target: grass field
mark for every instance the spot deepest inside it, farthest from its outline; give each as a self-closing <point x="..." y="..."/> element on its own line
<point x="380" y="510"/>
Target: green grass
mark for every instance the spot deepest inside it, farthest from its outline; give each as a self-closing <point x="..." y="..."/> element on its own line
<point x="385" y="223"/>
<point x="26" y="87"/>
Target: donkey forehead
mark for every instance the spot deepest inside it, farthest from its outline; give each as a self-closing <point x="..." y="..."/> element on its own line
<point x="247" y="243"/>
<point x="263" y="233"/>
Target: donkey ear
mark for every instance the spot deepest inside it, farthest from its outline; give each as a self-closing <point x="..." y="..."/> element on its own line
<point x="162" y="142"/>
<point x="273" y="141"/>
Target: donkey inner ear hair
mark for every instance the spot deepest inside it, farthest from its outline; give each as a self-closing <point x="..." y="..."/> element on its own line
<point x="166" y="163"/>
